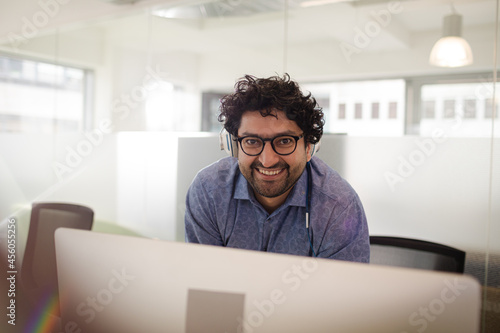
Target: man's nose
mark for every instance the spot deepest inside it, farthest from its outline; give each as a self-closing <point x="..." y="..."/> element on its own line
<point x="268" y="157"/>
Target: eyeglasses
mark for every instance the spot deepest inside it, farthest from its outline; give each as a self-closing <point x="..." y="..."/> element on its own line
<point x="282" y="144"/>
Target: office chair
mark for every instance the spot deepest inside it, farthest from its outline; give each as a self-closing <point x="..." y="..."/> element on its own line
<point x="39" y="273"/>
<point x="413" y="253"/>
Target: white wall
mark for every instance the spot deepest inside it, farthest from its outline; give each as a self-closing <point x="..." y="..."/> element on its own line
<point x="146" y="173"/>
<point x="421" y="188"/>
<point x="195" y="153"/>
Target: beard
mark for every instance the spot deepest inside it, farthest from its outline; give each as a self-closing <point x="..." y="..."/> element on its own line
<point x="273" y="188"/>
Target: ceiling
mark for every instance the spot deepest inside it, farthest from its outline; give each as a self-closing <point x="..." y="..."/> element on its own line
<point x="415" y="16"/>
<point x="198" y="23"/>
<point x="244" y="8"/>
<point x="216" y="31"/>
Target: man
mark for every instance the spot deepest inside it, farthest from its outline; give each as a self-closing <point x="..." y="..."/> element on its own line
<point x="259" y="201"/>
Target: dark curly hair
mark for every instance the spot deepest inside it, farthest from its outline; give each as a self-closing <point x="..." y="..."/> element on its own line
<point x="267" y="95"/>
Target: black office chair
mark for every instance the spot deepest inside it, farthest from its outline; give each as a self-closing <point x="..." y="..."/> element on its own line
<point x="39" y="272"/>
<point x="413" y="253"/>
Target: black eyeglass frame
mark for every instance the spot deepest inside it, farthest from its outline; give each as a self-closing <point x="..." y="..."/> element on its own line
<point x="295" y="137"/>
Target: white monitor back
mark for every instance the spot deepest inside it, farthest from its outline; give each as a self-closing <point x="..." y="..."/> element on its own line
<point x="111" y="283"/>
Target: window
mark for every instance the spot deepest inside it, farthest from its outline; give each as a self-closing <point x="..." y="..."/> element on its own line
<point x="393" y="110"/>
<point x="364" y="108"/>
<point x="324" y="103"/>
<point x="375" y="110"/>
<point x="489" y="108"/>
<point x="459" y="106"/>
<point x="449" y="109"/>
<point x="470" y="107"/>
<point x="358" y="111"/>
<point x="210" y="111"/>
<point x="341" y="114"/>
<point x="168" y="108"/>
<point x="429" y="109"/>
<point x="42" y="97"/>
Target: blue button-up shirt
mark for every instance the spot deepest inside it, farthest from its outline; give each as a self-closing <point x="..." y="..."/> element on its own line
<point x="221" y="209"/>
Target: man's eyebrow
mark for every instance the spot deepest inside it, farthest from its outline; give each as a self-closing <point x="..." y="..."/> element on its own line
<point x="288" y="132"/>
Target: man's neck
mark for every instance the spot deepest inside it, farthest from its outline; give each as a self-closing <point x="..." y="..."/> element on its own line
<point x="271" y="204"/>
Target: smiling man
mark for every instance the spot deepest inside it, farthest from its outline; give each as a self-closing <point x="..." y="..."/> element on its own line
<point x="275" y="195"/>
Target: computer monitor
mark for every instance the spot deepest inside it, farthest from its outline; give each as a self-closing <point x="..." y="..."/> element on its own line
<point x="112" y="283"/>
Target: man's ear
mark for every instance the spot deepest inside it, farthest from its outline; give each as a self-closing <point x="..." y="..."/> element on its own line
<point x="309" y="149"/>
<point x="312" y="149"/>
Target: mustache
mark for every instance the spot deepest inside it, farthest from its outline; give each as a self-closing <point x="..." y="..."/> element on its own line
<point x="279" y="165"/>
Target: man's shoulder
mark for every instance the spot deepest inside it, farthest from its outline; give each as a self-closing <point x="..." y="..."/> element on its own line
<point x="221" y="172"/>
<point x="330" y="183"/>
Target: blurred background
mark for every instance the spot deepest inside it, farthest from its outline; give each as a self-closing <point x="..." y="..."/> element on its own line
<point x="113" y="104"/>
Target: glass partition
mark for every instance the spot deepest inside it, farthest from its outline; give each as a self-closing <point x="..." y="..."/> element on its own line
<point x="419" y="143"/>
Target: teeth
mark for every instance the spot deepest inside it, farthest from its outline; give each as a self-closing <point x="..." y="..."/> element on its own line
<point x="269" y="173"/>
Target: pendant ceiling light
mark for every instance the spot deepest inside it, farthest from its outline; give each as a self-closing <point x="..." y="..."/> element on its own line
<point x="451" y="50"/>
